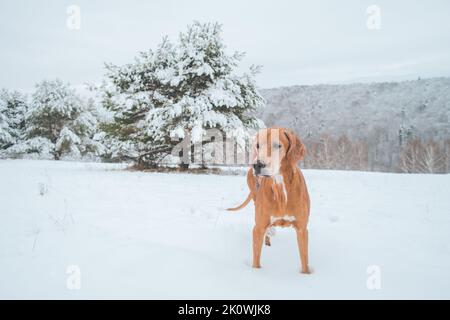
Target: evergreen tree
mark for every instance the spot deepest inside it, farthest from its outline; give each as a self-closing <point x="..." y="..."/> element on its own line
<point x="179" y="90"/>
<point x="13" y="107"/>
<point x="59" y="124"/>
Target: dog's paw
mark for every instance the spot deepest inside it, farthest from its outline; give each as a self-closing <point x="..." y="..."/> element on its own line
<point x="256" y="266"/>
<point x="307" y="271"/>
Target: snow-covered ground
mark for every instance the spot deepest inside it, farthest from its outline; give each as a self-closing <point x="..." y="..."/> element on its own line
<point x="154" y="235"/>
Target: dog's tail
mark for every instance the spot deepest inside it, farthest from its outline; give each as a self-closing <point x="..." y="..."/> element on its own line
<point x="249" y="197"/>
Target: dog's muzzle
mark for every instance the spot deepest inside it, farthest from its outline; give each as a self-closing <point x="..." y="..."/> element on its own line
<point x="258" y="166"/>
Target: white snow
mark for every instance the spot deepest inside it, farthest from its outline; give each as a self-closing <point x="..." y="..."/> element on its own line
<point x="155" y="235"/>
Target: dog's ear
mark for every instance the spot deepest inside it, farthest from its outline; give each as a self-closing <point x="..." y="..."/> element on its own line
<point x="296" y="150"/>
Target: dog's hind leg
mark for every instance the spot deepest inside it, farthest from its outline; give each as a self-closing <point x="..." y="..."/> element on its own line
<point x="267" y="240"/>
<point x="270" y="232"/>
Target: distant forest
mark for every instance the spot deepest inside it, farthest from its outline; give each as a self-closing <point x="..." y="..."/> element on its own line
<point x="391" y="126"/>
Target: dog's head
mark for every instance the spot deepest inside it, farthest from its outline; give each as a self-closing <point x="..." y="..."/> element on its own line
<point x="273" y="148"/>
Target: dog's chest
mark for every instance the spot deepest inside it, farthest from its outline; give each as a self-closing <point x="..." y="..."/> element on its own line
<point x="280" y="187"/>
<point x="277" y="196"/>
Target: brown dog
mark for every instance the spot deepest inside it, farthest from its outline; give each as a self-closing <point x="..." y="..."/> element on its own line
<point x="278" y="189"/>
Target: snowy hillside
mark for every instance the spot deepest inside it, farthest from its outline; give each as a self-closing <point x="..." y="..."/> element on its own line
<point x="357" y="109"/>
<point x="154" y="235"/>
<point x="384" y="116"/>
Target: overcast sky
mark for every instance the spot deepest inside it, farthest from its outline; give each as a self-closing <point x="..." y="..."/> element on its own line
<point x="296" y="42"/>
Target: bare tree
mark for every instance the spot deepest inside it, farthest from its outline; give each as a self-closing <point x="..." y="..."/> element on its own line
<point x="418" y="157"/>
<point x="360" y="156"/>
<point x="432" y="158"/>
<point x="409" y="156"/>
<point x="343" y="153"/>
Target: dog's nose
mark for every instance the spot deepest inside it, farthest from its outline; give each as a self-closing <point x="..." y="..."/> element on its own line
<point x="258" y="166"/>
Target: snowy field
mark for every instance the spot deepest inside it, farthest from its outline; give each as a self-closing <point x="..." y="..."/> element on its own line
<point x="154" y="235"/>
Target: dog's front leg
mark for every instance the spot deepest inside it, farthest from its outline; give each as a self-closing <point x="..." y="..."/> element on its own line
<point x="302" y="240"/>
<point x="259" y="230"/>
<point x="258" y="237"/>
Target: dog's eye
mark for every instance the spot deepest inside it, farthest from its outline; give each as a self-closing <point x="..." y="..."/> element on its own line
<point x="257" y="146"/>
<point x="277" y="145"/>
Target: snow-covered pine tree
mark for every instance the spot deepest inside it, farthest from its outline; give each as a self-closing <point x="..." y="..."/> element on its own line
<point x="58" y="124"/>
<point x="13" y="106"/>
<point x="129" y="92"/>
<point x="5" y="136"/>
<point x="187" y="87"/>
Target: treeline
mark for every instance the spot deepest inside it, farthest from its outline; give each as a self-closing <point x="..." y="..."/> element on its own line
<point x="184" y="89"/>
<point x="53" y="123"/>
<point x="56" y="123"/>
<point x="341" y="153"/>
<point x="175" y="92"/>
<point x="388" y="126"/>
